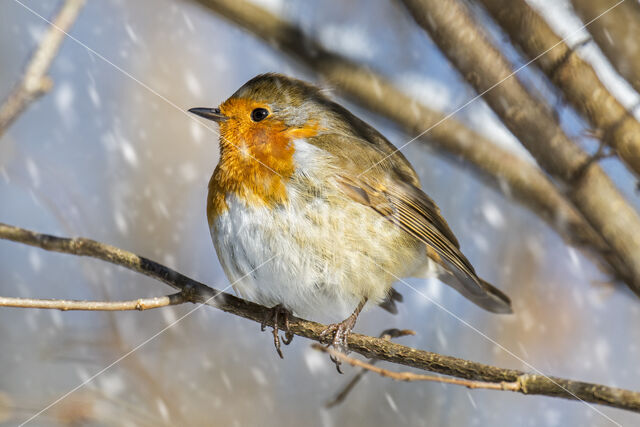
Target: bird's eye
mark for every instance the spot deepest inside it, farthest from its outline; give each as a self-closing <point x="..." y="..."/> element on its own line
<point x="259" y="114"/>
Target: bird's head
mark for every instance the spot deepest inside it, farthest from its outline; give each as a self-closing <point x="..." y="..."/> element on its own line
<point x="267" y="114"/>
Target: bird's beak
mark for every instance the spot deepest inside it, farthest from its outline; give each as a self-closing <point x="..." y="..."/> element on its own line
<point x="209" y="113"/>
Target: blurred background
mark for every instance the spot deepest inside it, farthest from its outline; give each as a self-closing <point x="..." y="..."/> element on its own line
<point x="102" y="156"/>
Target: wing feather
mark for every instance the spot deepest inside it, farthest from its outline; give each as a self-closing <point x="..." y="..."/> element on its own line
<point x="414" y="212"/>
<point x="391" y="188"/>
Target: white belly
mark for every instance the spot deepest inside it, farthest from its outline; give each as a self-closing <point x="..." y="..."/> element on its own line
<point x="306" y="257"/>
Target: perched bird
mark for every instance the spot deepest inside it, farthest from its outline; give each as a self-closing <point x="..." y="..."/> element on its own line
<point x="333" y="207"/>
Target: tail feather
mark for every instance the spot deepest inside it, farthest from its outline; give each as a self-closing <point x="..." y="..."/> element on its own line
<point x="478" y="291"/>
<point x="501" y="299"/>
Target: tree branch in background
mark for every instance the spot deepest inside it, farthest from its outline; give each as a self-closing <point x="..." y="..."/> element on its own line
<point x="574" y="76"/>
<point x="617" y="34"/>
<point x="451" y="27"/>
<point x="66" y="305"/>
<point x="35" y="81"/>
<point x="371" y="347"/>
<point x="508" y="173"/>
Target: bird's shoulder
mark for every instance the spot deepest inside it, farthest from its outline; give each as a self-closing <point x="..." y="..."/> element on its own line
<point x="359" y="147"/>
<point x="372" y="171"/>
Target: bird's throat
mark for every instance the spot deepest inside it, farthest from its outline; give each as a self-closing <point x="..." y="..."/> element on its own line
<point x="255" y="174"/>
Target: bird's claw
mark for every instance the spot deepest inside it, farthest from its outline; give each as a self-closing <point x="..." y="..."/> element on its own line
<point x="272" y="316"/>
<point x="341" y="332"/>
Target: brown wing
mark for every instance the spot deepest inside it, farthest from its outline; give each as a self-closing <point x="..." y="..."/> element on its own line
<point x="412" y="210"/>
<point x="391" y="188"/>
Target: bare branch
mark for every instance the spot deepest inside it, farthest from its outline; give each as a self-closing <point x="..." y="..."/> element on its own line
<point x="508" y="173"/>
<point x="485" y="68"/>
<point x="35" y="81"/>
<point x="367" y="346"/>
<point x="617" y="33"/>
<point x="344" y="392"/>
<point x="574" y="76"/>
<point x="87" y="247"/>
<point x="65" y="305"/>
<point x="410" y="376"/>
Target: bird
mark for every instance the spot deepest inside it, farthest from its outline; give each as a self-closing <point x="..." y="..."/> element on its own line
<point x="313" y="212"/>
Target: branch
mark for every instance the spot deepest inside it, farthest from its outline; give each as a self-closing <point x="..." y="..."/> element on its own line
<point x="410" y="376"/>
<point x="617" y="33"/>
<point x="508" y="173"/>
<point x="574" y="76"/>
<point x="65" y="305"/>
<point x="367" y="346"/>
<point x="35" y="81"/>
<point x="344" y="392"/>
<point x="451" y="27"/>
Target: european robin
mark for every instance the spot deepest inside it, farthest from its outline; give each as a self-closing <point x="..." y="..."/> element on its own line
<point x="302" y="179"/>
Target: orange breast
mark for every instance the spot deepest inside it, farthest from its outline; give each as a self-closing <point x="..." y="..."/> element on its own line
<point x="256" y="160"/>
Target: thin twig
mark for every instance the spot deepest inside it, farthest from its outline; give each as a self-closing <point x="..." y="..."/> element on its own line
<point x="410" y="376"/>
<point x="344" y="392"/>
<point x="35" y="81"/>
<point x="65" y="305"/>
<point x="367" y="346"/>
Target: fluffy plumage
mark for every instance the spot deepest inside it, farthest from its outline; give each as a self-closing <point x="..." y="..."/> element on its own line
<point x="297" y="185"/>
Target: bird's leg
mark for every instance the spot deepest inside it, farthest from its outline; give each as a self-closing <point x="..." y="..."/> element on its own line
<point x="341" y="332"/>
<point x="272" y="315"/>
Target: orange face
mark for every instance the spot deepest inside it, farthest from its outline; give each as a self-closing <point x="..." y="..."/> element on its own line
<point x="251" y="134"/>
<point x="256" y="154"/>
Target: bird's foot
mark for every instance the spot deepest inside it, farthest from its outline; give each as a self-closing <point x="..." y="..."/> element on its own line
<point x="273" y="315"/>
<point x="340" y="332"/>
